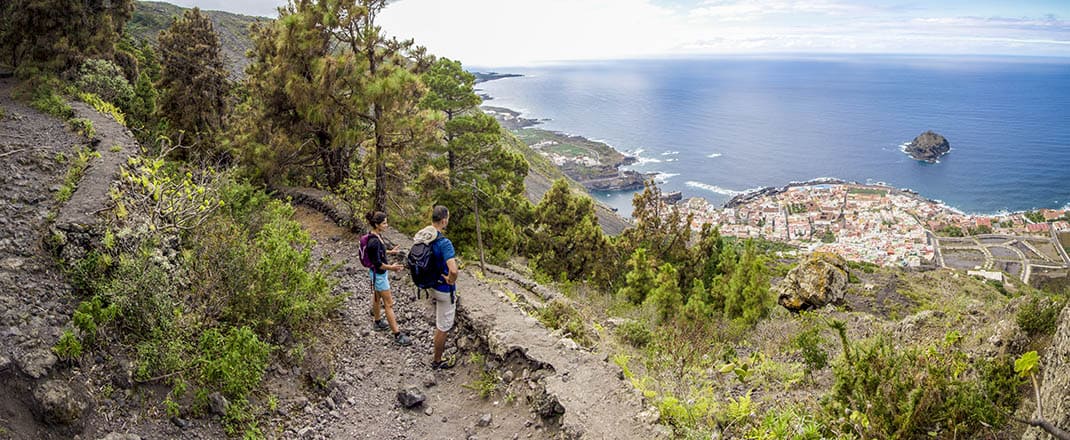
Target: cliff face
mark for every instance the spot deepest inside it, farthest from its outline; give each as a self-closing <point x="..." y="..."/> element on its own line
<point x="928" y="146"/>
<point x="1055" y="381"/>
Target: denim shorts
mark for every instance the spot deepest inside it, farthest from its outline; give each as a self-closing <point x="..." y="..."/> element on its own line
<point x="382" y="281"/>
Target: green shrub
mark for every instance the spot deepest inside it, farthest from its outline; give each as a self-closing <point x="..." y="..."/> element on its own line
<point x="559" y="315"/>
<point x="83" y="127"/>
<point x="234" y="363"/>
<point x="881" y="391"/>
<point x="486" y="385"/>
<point x="91" y="315"/>
<point x="285" y="286"/>
<point x="998" y="286"/>
<point x="786" y="424"/>
<point x="809" y="344"/>
<point x="45" y="98"/>
<point x="68" y="347"/>
<point x="1040" y="315"/>
<point x="106" y="80"/>
<point x="635" y="333"/>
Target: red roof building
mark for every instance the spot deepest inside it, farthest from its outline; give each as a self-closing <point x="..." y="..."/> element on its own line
<point x="1038" y="227"/>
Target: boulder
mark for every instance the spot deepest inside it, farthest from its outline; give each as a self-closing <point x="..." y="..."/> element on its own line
<point x="37" y="363"/>
<point x="411" y="397"/>
<point x="819" y="279"/>
<point x="1055" y="381"/>
<point x="217" y="404"/>
<point x="56" y="403"/>
<point x="928" y="147"/>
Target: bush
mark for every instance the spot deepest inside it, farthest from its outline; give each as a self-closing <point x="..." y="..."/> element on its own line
<point x="880" y="391"/>
<point x="234" y="363"/>
<point x="559" y="315"/>
<point x="83" y="127"/>
<point x="635" y="333"/>
<point x="106" y="80"/>
<point x="68" y="347"/>
<point x="809" y="344"/>
<point x="1040" y="315"/>
<point x="198" y="296"/>
<point x="45" y="98"/>
<point x="285" y="287"/>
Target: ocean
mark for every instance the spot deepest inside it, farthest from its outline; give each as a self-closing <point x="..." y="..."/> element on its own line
<point x="716" y="127"/>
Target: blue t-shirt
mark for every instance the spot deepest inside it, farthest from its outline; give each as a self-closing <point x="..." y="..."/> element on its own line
<point x="442" y="249"/>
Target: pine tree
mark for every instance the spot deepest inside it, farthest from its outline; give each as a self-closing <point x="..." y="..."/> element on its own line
<point x="698" y="307"/>
<point x="193" y="82"/>
<point x="660" y="228"/>
<point x="60" y="34"/>
<point x="639" y="279"/>
<point x="387" y="75"/>
<point x="746" y="294"/>
<point x="567" y="242"/>
<point x="665" y="296"/>
<point x="450" y="91"/>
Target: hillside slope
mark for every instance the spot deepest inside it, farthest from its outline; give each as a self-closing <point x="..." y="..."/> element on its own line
<point x="233" y="29"/>
<point x="541" y="176"/>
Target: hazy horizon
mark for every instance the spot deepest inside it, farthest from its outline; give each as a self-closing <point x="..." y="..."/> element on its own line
<point x="521" y="33"/>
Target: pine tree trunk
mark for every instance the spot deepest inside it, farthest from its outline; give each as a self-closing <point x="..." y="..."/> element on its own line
<point x="380" y="164"/>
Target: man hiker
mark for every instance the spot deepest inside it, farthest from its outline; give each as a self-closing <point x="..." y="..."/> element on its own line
<point x="376" y="253"/>
<point x="443" y="290"/>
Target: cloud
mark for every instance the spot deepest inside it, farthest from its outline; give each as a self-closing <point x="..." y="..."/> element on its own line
<point x="744" y="10"/>
<point x="497" y="32"/>
<point x="502" y="33"/>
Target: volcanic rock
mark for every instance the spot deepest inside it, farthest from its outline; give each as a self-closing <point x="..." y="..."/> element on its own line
<point x="820" y="279"/>
<point x="928" y="147"/>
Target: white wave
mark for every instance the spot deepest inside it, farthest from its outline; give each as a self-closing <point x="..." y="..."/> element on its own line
<point x="660" y="177"/>
<point x="714" y="155"/>
<point x="640" y="160"/>
<point x="670" y="153"/>
<point x="713" y="188"/>
<point x="672" y="160"/>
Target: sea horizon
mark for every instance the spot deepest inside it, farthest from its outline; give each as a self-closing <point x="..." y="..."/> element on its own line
<point x="719" y="126"/>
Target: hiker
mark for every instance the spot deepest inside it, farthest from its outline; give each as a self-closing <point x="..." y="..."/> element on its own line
<point x="443" y="286"/>
<point x="376" y="253"/>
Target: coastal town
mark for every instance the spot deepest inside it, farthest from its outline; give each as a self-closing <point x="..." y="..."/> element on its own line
<point x="888" y="226"/>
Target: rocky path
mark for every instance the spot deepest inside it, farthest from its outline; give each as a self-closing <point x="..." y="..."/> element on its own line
<point x="360" y="402"/>
<point x="549" y="387"/>
<point x="34" y="297"/>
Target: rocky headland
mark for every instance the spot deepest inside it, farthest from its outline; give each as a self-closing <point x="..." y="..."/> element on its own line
<point x="928" y="147"/>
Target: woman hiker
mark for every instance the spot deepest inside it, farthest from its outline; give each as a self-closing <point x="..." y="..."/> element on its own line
<point x="380" y="280"/>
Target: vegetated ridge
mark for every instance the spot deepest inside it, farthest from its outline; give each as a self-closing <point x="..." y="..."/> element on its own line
<point x="233" y="30"/>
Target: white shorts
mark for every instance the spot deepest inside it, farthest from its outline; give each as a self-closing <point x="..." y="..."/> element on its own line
<point x="445" y="310"/>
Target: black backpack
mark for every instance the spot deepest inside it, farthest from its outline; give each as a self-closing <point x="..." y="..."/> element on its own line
<point x="425" y="269"/>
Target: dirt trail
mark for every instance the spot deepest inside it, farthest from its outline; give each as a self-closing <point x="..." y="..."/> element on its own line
<point x="578" y="393"/>
<point x="34" y="297"/>
<point x="371" y="368"/>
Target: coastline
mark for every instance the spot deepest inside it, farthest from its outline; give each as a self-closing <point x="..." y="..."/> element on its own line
<point x="596" y="165"/>
<point x="514" y="120"/>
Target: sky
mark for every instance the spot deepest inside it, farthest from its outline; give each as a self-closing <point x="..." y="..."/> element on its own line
<point x="527" y="32"/>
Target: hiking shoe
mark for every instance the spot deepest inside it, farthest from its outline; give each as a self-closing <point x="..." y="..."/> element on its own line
<point x="402" y="339"/>
<point x="381" y="324"/>
<point x="441" y="365"/>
